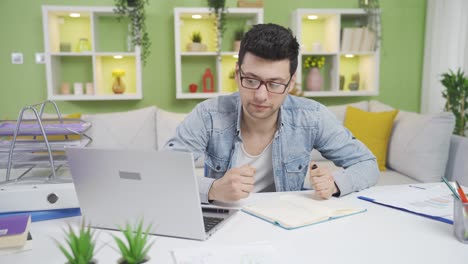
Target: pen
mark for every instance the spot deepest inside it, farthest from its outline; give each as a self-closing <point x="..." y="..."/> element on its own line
<point x="461" y="193"/>
<point x="314" y="166"/>
<point x="451" y="188"/>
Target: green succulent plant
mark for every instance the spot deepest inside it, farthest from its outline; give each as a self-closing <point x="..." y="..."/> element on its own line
<point x="238" y="34"/>
<point x="81" y="245"/>
<point x="196" y="37"/>
<point x="136" y="247"/>
<point x="456" y="93"/>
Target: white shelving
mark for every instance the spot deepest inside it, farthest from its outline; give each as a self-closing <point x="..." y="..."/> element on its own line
<point x="323" y="36"/>
<point x="106" y="39"/>
<point x="191" y="65"/>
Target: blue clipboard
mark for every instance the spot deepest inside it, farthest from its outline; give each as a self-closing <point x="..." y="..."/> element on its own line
<point x="438" y="218"/>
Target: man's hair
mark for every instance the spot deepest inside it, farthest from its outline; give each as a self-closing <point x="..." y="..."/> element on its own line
<point x="272" y="42"/>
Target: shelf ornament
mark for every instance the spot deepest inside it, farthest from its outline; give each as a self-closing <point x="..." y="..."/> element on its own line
<point x="208" y="81"/>
<point x="118" y="87"/>
<point x="314" y="79"/>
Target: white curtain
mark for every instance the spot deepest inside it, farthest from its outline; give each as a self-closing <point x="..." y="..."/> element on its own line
<point x="446" y="47"/>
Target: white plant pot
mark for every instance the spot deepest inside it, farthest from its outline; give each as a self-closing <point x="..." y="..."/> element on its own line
<point x="194" y="46"/>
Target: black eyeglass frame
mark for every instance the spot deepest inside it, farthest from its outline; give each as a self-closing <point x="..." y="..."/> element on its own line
<point x="263" y="82"/>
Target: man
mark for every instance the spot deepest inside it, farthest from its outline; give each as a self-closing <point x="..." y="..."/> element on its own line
<point x="261" y="138"/>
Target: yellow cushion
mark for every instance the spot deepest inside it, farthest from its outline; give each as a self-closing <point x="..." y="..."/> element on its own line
<point x="373" y="129"/>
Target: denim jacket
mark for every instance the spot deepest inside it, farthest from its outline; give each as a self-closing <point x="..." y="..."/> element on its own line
<point x="212" y="129"/>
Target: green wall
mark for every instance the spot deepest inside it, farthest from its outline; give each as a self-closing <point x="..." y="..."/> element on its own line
<point x="403" y="23"/>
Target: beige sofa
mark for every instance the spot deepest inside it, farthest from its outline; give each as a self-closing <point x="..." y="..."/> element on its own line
<point x="421" y="148"/>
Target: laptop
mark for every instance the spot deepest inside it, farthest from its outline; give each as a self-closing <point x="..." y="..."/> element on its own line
<point x="119" y="186"/>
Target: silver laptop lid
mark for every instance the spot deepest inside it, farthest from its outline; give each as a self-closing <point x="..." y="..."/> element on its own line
<point x="119" y="186"/>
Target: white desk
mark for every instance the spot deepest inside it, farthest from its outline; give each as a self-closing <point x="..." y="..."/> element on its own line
<point x="380" y="235"/>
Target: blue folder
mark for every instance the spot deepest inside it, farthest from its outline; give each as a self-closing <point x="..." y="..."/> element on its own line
<point x="48" y="214"/>
<point x="438" y="218"/>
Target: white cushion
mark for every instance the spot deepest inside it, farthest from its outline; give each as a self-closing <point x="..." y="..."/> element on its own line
<point x="391" y="177"/>
<point x="129" y="129"/>
<point x="166" y="124"/>
<point x="419" y="144"/>
<point x="340" y="110"/>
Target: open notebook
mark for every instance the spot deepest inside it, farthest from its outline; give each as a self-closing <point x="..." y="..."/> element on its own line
<point x="298" y="209"/>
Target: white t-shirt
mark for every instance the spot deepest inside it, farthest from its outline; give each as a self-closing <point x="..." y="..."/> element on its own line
<point x="263" y="165"/>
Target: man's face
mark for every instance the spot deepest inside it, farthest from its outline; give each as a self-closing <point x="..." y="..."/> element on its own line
<point x="261" y="104"/>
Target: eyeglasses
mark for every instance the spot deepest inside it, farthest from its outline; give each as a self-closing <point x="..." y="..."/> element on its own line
<point x="254" y="84"/>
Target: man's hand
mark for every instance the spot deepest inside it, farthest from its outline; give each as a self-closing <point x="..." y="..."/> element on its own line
<point x="236" y="184"/>
<point x="322" y="181"/>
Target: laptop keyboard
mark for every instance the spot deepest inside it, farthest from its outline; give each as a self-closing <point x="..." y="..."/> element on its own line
<point x="211" y="222"/>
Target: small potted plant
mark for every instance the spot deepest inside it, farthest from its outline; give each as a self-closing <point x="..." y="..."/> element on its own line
<point x="196" y="44"/>
<point x="314" y="78"/>
<point x="136" y="247"/>
<point x="238" y="35"/>
<point x="81" y="245"/>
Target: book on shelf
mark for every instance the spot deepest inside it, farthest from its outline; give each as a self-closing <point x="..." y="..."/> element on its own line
<point x="14" y="231"/>
<point x="297" y="210"/>
<point x="368" y="40"/>
<point x="356" y="39"/>
<point x="346" y="39"/>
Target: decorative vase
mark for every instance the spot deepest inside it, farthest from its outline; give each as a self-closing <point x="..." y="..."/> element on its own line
<point x="118" y="87"/>
<point x="314" y="79"/>
<point x="208" y="81"/>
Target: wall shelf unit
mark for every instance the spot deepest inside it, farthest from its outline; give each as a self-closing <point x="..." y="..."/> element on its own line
<point x="84" y="45"/>
<point x="340" y="36"/>
<point x="191" y="65"/>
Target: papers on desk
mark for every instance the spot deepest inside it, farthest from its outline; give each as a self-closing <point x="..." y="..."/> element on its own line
<point x="434" y="201"/>
<point x="258" y="253"/>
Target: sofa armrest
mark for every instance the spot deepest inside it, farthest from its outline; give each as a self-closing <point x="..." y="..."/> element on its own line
<point x="457" y="165"/>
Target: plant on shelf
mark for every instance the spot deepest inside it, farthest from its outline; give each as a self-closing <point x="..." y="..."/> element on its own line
<point x="218" y="9"/>
<point x="81" y="245"/>
<point x="136" y="247"/>
<point x="238" y="35"/>
<point x="456" y="94"/>
<point x="314" y="62"/>
<point x="196" y="44"/>
<point x="135" y="11"/>
<point x="374" y="19"/>
<point x="196" y="37"/>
